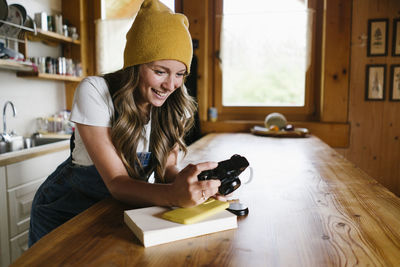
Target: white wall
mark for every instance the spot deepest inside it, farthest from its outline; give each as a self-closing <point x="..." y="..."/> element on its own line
<point x="33" y="6"/>
<point x="32" y="97"/>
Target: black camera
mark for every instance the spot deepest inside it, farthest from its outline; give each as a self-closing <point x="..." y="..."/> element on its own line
<point x="227" y="171"/>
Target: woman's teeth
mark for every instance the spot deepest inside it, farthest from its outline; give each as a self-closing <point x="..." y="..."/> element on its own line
<point x="159" y="93"/>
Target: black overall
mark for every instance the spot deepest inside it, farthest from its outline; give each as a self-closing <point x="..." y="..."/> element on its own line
<point x="68" y="191"/>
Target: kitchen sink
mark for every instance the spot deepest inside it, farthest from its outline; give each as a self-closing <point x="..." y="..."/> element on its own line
<point x="12" y="143"/>
<point x="17" y="143"/>
<point x="40" y="141"/>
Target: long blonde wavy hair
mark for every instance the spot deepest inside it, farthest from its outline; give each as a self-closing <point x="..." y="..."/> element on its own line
<point x="169" y="123"/>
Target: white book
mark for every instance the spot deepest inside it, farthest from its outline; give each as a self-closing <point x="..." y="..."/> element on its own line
<point x="151" y="229"/>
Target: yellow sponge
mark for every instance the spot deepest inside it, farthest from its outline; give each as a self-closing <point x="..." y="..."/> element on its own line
<point x="196" y="213"/>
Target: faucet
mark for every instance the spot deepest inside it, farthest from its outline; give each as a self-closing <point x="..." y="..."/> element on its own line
<point x="5" y="136"/>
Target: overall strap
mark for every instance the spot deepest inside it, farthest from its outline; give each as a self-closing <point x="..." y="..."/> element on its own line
<point x="72" y="143"/>
<point x="145" y="158"/>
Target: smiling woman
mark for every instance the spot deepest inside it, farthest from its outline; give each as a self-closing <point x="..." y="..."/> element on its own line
<point x="130" y="126"/>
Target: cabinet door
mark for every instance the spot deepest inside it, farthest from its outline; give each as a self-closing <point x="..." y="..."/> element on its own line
<point x="18" y="245"/>
<point x="4" y="237"/>
<point x="34" y="168"/>
<point x="19" y="206"/>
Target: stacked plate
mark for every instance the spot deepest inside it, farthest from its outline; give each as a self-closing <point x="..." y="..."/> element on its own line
<point x="15" y="14"/>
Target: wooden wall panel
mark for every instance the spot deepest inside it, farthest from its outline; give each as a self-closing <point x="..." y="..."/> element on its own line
<point x="375" y="125"/>
<point x="335" y="61"/>
<point x="198" y="13"/>
<point x="69" y="93"/>
<point x="389" y="161"/>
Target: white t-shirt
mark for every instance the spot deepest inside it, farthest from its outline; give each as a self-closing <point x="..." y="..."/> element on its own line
<point x="93" y="106"/>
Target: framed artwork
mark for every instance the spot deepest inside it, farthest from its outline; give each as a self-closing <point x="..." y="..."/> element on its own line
<point x="395" y="83"/>
<point x="375" y="82"/>
<point x="396" y="38"/>
<point x="377" y="37"/>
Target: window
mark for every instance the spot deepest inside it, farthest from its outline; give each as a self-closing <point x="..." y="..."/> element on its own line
<point x="264" y="61"/>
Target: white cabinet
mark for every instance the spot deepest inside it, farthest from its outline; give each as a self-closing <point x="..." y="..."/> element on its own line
<point x="4" y="243"/>
<point x="18" y="185"/>
<point x="18" y="245"/>
<point x="19" y="206"/>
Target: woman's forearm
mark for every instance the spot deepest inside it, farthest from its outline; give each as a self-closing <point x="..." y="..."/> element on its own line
<point x="139" y="193"/>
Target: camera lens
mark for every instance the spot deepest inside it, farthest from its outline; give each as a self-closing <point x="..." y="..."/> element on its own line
<point x="228" y="188"/>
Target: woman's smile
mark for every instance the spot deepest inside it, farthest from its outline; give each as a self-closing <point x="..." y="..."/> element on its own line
<point x="158" y="80"/>
<point x="159" y="93"/>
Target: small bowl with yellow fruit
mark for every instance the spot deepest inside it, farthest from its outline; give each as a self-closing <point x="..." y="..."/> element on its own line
<point x="276" y="125"/>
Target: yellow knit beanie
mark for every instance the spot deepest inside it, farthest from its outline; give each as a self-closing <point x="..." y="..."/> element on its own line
<point x="156" y="34"/>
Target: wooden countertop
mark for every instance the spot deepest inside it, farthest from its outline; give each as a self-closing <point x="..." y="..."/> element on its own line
<point x="308" y="207"/>
<point x="17" y="156"/>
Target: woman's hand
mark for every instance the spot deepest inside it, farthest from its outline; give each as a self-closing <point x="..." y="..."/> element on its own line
<point x="187" y="191"/>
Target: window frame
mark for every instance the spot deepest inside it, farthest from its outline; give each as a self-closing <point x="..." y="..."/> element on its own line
<point x="308" y="112"/>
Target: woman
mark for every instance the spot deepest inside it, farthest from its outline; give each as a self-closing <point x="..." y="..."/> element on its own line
<point x="130" y="124"/>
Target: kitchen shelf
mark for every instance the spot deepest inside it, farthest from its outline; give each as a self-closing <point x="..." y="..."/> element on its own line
<point x="79" y="14"/>
<point x="50" y="36"/>
<point x="18" y="26"/>
<point x="10" y="64"/>
<point x="47" y="76"/>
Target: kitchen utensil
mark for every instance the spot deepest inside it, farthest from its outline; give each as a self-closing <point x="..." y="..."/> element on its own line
<point x="27" y="142"/>
<point x="15" y="16"/>
<point x="29" y="23"/>
<point x="3" y="10"/>
<point x="22" y="10"/>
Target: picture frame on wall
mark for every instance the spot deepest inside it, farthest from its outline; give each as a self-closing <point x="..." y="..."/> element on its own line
<point x="375" y="82"/>
<point x="394" y="83"/>
<point x="396" y="38"/>
<point x="377" y="37"/>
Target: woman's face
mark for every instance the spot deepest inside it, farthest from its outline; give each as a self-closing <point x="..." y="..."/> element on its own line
<point x="158" y="80"/>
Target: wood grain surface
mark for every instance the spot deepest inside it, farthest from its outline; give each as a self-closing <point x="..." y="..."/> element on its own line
<point x="308" y="206"/>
